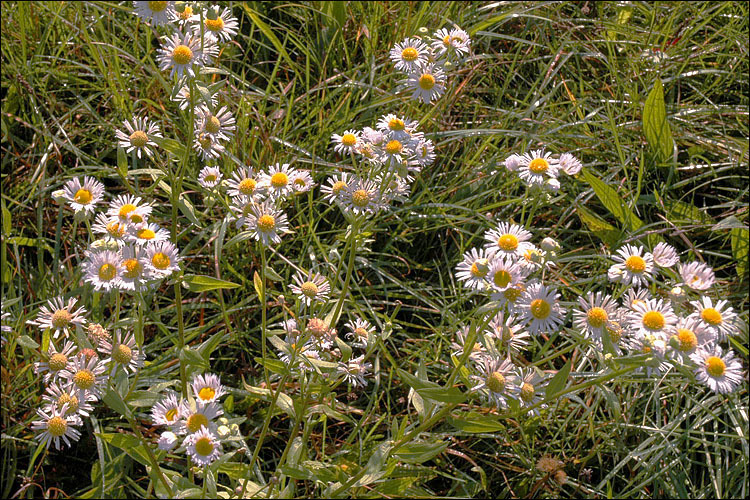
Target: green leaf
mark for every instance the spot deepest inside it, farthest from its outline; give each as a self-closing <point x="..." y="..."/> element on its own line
<point x="266" y="30"/>
<point x="191" y="357"/>
<point x="417" y="453"/>
<point x="113" y="399"/>
<point x="6" y="221"/>
<point x="443" y="395"/>
<point x="129" y="444"/>
<point x="612" y="202"/>
<point x="275" y="365"/>
<point x="27" y="342"/>
<point x="346" y="350"/>
<point x="186" y="207"/>
<point x="122" y="162"/>
<point x="30" y="242"/>
<point x="558" y="382"/>
<point x="171" y="145"/>
<point x="200" y="283"/>
<point x="655" y="124"/>
<point x="476" y="423"/>
<point x="740" y="250"/>
<point x="258" y="284"/>
<point x="603" y="230"/>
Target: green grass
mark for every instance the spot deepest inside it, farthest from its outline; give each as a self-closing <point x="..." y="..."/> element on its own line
<point x="569" y="77"/>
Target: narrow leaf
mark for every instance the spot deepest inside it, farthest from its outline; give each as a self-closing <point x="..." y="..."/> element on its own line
<point x="200" y="283"/>
<point x="655" y="124"/>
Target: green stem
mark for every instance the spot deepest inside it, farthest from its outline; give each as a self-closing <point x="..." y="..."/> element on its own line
<point x="151" y="457"/>
<point x="264" y="304"/>
<point x="350" y="266"/>
<point x="58" y="241"/>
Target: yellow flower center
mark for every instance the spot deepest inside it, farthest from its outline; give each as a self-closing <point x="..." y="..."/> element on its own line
<point x="204" y="446"/>
<point x="205" y="141"/>
<point x="479" y="268"/>
<point x="171" y="414"/>
<point x="138" y="139"/>
<point x="538" y="165"/>
<point x="57" y="426"/>
<point x="715" y="366"/>
<point x="125" y="210"/>
<point x="635" y="264"/>
<point x="71" y="400"/>
<point x="206" y="393"/>
<point x="688" y="340"/>
<point x="409" y="54"/>
<point x="654" y="320"/>
<point x="426" y="81"/>
<point x="502" y="278"/>
<point x="57" y="362"/>
<point x="396" y="124"/>
<point x="507" y="242"/>
<point x="300" y="182"/>
<point x="507" y="333"/>
<point x="160" y="260"/>
<point x="122" y="354"/>
<point x="279" y="180"/>
<point x="309" y="289"/>
<point x="447" y="40"/>
<point x="512" y="294"/>
<point x="615" y="332"/>
<point x="195" y="421"/>
<point x="213" y="125"/>
<point x="84" y="379"/>
<point x="266" y="223"/>
<point x="247" y="186"/>
<point x="115" y="230"/>
<point x="145" y="234"/>
<point x="361" y="332"/>
<point x="597" y="317"/>
<point x="157" y="6"/>
<point x="61" y="318"/>
<point x="215" y="24"/>
<point x="495" y="382"/>
<point x="393" y="147"/>
<point x="83" y="196"/>
<point x="348" y="140"/>
<point x="209" y="178"/>
<point x="540" y="308"/>
<point x="360" y="198"/>
<point x="527" y="392"/>
<point x="182" y="55"/>
<point x="338" y="186"/>
<point x="132" y="268"/>
<point x="185" y="14"/>
<point x="136" y="218"/>
<point x="711" y="316"/>
<point x="107" y="272"/>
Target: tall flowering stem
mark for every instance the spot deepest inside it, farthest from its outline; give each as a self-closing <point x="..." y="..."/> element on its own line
<point x="352" y="245"/>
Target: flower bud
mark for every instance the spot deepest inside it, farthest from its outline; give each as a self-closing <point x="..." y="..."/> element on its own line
<point x="550" y="245"/>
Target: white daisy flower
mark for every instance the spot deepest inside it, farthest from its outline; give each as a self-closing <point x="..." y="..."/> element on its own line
<point x="59" y="317"/>
<point x="145" y="233"/>
<point x="60" y="394"/>
<point x="362" y="197"/>
<point x="162" y="259"/>
<point x="223" y="28"/>
<point x="207" y="146"/>
<point x="335" y="189"/>
<point x="293" y="354"/>
<point x="393" y="187"/>
<point x="196" y="416"/>
<point x="655" y="346"/>
<point x="597" y="310"/>
<point x="721" y="372"/>
<point x="266" y="224"/>
<point x="56" y="361"/>
<point x="474" y="269"/>
<point x="139" y="136"/>
<point x="478" y="350"/>
<point x="719" y="318"/>
<point x="395" y="152"/>
<point x="410" y="54"/>
<point x="540" y="308"/>
<point x="207" y="388"/>
<point x="697" y="276"/>
<point x="504" y="274"/>
<point x="665" y="255"/>
<point x="530" y="388"/>
<point x="355" y="371"/>
<point x="454" y="42"/>
<point x="361" y="332"/>
<point x="183" y="99"/>
<point x="278" y="180"/>
<point x="241" y="206"/>
<point x="689" y="335"/>
<point x="505" y="328"/>
<point x="508" y="240"/>
<point x="244" y="182"/>
<point x="110" y="227"/>
<point x="460" y="41"/>
<point x="569" y="164"/>
<point x="322" y="336"/>
<point x="167" y="441"/>
<point x="513" y="162"/>
<point x="167" y="411"/>
<point x="654" y="317"/>
<point x="635" y="297"/>
<point x="185" y="18"/>
<point x="179" y="53"/>
<point x="397" y="127"/>
<point x="156" y="13"/>
<point x="102" y="269"/>
<point x="128" y="209"/>
<point x="425" y="153"/>
<point x="497" y="380"/>
<point x="54" y="425"/>
<point x="302" y="181"/>
<point x="87" y="376"/>
<point x="511" y="297"/>
<point x="632" y="266"/>
<point x="83" y="197"/>
<point x="427" y="83"/>
<point x="375" y="137"/>
<point x="209" y="177"/>
<point x="203" y="446"/>
<point x="347" y="143"/>
<point x="123" y="351"/>
<point x="310" y="287"/>
<point x="220" y="125"/>
<point x="536" y="167"/>
<point x="135" y="273"/>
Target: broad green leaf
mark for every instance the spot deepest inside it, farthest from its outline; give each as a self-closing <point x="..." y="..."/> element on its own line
<point x="603" y="230"/>
<point x="171" y="145"/>
<point x="559" y="380"/>
<point x="417" y="453"/>
<point x="29" y="242"/>
<point x="612" y="202"/>
<point x="655" y="124"/>
<point x="258" y="284"/>
<point x="443" y="394"/>
<point x="27" y="342"/>
<point x="740" y="250"/>
<point x="193" y="358"/>
<point x="476" y="423"/>
<point x="122" y="162"/>
<point x="275" y="365"/>
<point x="200" y="283"/>
<point x="346" y="350"/>
<point x="129" y="444"/>
<point x="186" y="207"/>
<point x="113" y="399"/>
<point x="6" y="221"/>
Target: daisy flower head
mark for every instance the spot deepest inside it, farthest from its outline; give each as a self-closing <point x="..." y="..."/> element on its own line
<point x="355" y="371"/>
<point x="58" y="395"/>
<point x="393" y="126"/>
<point x="55" y="424"/>
<point x="162" y="259"/>
<point x="220" y="125"/>
<point x="506" y="329"/>
<point x="135" y="273"/>
<point x="209" y="177"/>
<point x="86" y="375"/>
<point x="241" y="206"/>
<point x="195" y="416"/>
<point x="139" y="136"/>
<point x="478" y="350"/>
<point x="570" y="164"/>
<point x="719" y="318"/>
<point x="393" y="187"/>
<point x="697" y="275"/>
<point x="636" y="296"/>
<point x="530" y="385"/>
<point x="208" y="146"/>
<point x="83" y="197"/>
<point x="633" y="266"/>
<point x="665" y="255"/>
<point x="102" y="269"/>
<point x="302" y="181"/>
<point x="184" y="15"/>
<point x="540" y="308"/>
<point x="60" y="317"/>
<point x="323" y="336"/>
<point x="182" y="97"/>
<point x="244" y="182"/>
<point x="536" y="167"/>
<point x="427" y="83"/>
<point x="123" y="351"/>
<point x="167" y="411"/>
<point x="451" y="42"/>
<point x="335" y="187"/>
<point x="653" y="317"/>
<point x="503" y="274"/>
<point x="310" y="287"/>
<point x="410" y="54"/>
<point x="207" y="388"/>
<point x="203" y="446"/>
<point x="424" y="153"/>
<point x="497" y="380"/>
<point x="511" y="297"/>
<point x="145" y="233"/>
<point x="56" y="361"/>
<point x="513" y="162"/>
<point x="156" y="13"/>
<point x="97" y="333"/>
<point x="596" y="312"/>
<point x="266" y="224"/>
<point x="347" y="143"/>
<point x="375" y="137"/>
<point x="508" y="240"/>
<point x="167" y="441"/>
<point x="128" y="209"/>
<point x="223" y="28"/>
<point x="689" y="335"/>
<point x="362" y="197"/>
<point x="361" y="332"/>
<point x="721" y="372"/>
<point x="278" y="180"/>
<point x="180" y="52"/>
<point x="474" y="269"/>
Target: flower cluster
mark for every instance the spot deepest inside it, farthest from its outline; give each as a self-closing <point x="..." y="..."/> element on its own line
<point x="539" y="169"/>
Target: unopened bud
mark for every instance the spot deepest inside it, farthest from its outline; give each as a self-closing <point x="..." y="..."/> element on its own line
<point x="550" y="245"/>
<point x="59" y="196"/>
